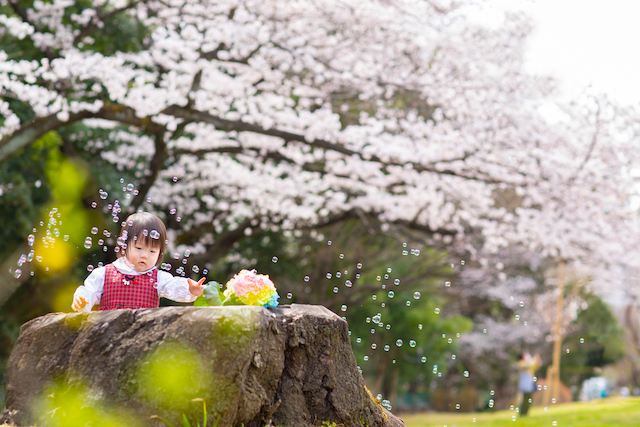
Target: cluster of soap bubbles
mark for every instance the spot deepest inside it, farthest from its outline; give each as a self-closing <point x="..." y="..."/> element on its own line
<point x="52" y="232"/>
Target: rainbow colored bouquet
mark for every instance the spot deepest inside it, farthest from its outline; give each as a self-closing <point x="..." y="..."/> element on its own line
<point x="245" y="288"/>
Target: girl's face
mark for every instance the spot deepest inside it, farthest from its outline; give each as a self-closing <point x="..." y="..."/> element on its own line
<point x="142" y="256"/>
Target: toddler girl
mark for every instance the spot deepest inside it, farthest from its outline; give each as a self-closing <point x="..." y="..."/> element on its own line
<point x="133" y="280"/>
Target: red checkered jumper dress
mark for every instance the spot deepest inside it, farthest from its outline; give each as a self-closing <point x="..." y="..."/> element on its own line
<point x="122" y="291"/>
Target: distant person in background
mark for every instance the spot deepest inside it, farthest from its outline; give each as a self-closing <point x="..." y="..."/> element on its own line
<point x="527" y="365"/>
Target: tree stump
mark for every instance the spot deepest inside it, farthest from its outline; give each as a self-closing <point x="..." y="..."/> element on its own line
<point x="288" y="366"/>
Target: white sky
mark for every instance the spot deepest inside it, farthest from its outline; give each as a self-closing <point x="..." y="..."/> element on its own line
<point x="582" y="43"/>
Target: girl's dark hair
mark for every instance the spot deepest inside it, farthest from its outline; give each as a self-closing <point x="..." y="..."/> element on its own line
<point x="146" y="228"/>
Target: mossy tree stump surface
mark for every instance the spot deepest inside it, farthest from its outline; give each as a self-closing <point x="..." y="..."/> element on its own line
<point x="289" y="366"/>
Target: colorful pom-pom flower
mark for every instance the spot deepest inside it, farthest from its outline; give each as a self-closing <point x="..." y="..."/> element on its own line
<point x="245" y="288"/>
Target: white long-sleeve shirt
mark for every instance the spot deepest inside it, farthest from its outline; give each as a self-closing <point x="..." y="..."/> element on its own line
<point x="168" y="286"/>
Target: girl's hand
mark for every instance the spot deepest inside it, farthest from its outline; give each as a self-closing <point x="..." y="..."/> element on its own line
<point x="196" y="288"/>
<point x="79" y="303"/>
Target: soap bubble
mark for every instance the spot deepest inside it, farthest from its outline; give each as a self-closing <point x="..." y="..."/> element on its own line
<point x="289" y="295"/>
<point x="306" y="278"/>
<point x="343" y="308"/>
<point x="387" y="348"/>
<point x="154" y="234"/>
<point x="416" y="295"/>
<point x="376" y="318"/>
<point x="31" y="239"/>
<point x="328" y="276"/>
<point x="437" y="310"/>
<point x="359" y="265"/>
<point x="424" y="359"/>
<point x="391" y="294"/>
<point x="195" y="269"/>
<point x="399" y="342"/>
<point x="412" y="343"/>
<point x="274" y="259"/>
<point x="447" y="284"/>
<point x="94" y="230"/>
<point x="374" y="346"/>
<point x="466" y="374"/>
<point x="335" y="289"/>
<point x="103" y="194"/>
<point x="348" y="284"/>
<point x="88" y="243"/>
<point x="420" y="326"/>
<point x="17" y="273"/>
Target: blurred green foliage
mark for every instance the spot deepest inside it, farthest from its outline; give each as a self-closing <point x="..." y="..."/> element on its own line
<point x="596" y="340"/>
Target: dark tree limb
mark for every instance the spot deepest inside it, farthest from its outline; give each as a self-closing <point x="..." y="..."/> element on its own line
<point x="155" y="166"/>
<point x="38" y="127"/>
<point x="23" y="15"/>
<point x="91" y="25"/>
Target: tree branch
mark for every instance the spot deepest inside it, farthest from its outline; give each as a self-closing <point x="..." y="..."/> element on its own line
<point x="30" y="131"/>
<point x="22" y="14"/>
<point x="240" y="126"/>
<point x="155" y="166"/>
<point x="38" y="127"/>
<point x="94" y="22"/>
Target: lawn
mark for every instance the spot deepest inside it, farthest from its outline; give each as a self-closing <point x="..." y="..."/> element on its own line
<point x="614" y="412"/>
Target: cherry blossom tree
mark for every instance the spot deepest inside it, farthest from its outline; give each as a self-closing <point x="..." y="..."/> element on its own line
<point x="241" y="116"/>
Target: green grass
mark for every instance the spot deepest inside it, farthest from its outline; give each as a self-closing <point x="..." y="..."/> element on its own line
<point x="614" y="412"/>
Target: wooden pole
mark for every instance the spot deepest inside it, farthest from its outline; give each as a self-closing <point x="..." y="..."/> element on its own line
<point x="553" y="373"/>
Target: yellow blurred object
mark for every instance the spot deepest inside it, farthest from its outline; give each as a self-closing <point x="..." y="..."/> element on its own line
<point x="56" y="256"/>
<point x="173" y="374"/>
<point x="63" y="297"/>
